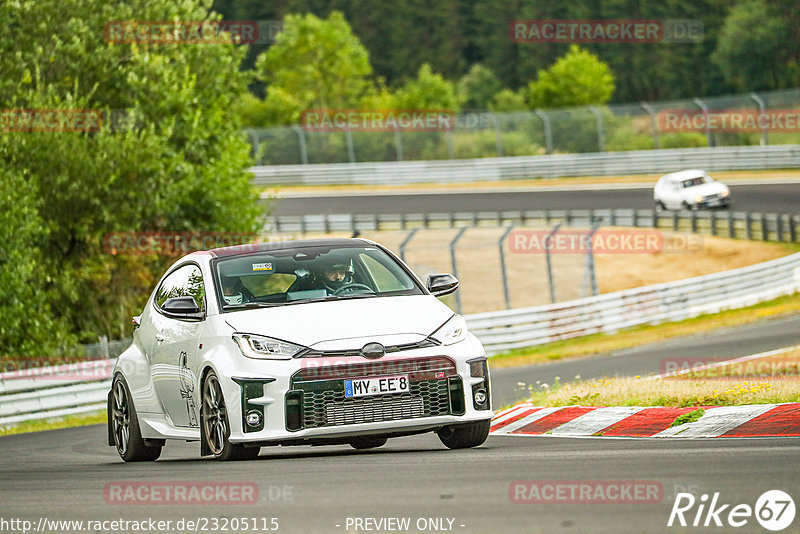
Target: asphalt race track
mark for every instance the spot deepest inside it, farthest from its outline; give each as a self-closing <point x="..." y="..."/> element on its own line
<point x="770" y="198"/>
<point x="62" y="474"/>
<point x="724" y="344"/>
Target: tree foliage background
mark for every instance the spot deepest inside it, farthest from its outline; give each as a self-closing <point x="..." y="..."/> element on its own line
<point x="454" y="35"/>
<point x="181" y="165"/>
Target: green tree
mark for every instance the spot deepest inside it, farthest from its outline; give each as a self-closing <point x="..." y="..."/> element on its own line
<point x="507" y="100"/>
<point x="579" y="78"/>
<point x="180" y="164"/>
<point x="477" y="87"/>
<point x="427" y="91"/>
<point x="27" y="323"/>
<point x="314" y="63"/>
<point x="755" y="47"/>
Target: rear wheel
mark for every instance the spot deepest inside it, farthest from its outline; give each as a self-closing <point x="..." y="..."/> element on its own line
<point x="215" y="427"/>
<point x="465" y="435"/>
<point x="368" y="442"/>
<point x="125" y="427"/>
<point x="660" y="206"/>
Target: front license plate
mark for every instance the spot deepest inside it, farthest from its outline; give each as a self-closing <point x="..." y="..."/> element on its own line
<point x="365" y="387"/>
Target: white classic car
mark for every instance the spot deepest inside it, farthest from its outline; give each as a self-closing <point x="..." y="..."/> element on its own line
<point x="330" y="341"/>
<point x="690" y="190"/>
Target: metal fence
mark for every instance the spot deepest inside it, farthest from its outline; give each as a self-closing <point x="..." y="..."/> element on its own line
<point x="780" y="227"/>
<point x="62" y="391"/>
<point x="619" y="127"/>
<point x="512" y="329"/>
<point x="528" y="167"/>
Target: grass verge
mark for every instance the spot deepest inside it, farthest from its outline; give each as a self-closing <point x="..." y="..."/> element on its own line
<point x="637" y="391"/>
<point x="642" y="335"/>
<point x="52" y="424"/>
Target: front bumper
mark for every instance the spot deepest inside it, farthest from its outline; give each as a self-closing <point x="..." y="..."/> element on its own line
<point x="721" y="202"/>
<point x="306" y="401"/>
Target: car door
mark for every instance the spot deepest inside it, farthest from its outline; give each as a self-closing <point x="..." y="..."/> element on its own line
<point x="674" y="195"/>
<point x="175" y="349"/>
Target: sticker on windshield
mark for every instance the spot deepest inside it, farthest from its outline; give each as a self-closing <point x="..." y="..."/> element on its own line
<point x="262" y="266"/>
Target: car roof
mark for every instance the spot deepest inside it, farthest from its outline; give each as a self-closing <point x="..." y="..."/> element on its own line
<point x="286" y="245"/>
<point x="683" y="175"/>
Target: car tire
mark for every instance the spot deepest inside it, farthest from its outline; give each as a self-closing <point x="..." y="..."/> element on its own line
<point x="124" y="425"/>
<point x="685" y="206"/>
<point x="465" y="435"/>
<point x="368" y="442"/>
<point x="660" y="206"/>
<point x="215" y="428"/>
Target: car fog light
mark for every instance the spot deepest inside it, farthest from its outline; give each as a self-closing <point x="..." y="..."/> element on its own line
<point x="480" y="396"/>
<point x="253" y="418"/>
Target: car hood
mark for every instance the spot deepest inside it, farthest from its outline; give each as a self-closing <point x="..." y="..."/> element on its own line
<point x="346" y="324"/>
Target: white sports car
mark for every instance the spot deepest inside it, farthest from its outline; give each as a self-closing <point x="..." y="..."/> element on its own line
<point x="330" y="341"/>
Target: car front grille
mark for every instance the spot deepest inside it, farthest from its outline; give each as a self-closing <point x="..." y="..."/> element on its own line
<point x="324" y="403"/>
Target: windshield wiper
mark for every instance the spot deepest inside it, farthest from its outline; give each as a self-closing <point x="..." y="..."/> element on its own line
<point x="245" y="305"/>
<point x="334" y="297"/>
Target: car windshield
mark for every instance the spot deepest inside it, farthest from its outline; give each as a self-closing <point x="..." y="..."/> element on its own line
<point x="691" y="182"/>
<point x="303" y="274"/>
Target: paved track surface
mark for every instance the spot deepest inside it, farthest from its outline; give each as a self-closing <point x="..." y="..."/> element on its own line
<point x="777" y="198"/>
<point x="725" y="343"/>
<point x="62" y="474"/>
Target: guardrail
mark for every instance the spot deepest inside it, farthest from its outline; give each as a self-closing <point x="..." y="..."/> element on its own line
<point x="62" y="390"/>
<point x="522" y="167"/>
<point x="750" y="225"/>
<point x="56" y="391"/>
<point x="674" y="301"/>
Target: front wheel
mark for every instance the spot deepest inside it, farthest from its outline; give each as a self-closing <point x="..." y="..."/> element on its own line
<point x="465" y="435"/>
<point x="125" y="426"/>
<point x="215" y="428"/>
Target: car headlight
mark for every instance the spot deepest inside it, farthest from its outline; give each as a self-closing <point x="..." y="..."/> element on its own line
<point x="453" y="331"/>
<point x="726" y="193"/>
<point x="265" y="348"/>
<point x="698" y="199"/>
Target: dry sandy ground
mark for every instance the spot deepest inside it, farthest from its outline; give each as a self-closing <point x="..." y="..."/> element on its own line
<point x="478" y="265"/>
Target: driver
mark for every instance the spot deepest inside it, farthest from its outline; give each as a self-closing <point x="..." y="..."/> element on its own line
<point x="334" y="275"/>
<point x="231" y="294"/>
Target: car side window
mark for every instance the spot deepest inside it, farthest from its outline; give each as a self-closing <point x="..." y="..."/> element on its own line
<point x="185" y="281"/>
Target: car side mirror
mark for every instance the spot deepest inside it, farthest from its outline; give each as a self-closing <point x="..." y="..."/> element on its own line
<point x="181" y="308"/>
<point x="441" y="284"/>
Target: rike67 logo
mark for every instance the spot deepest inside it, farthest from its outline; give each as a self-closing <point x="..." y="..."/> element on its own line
<point x="774" y="510"/>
